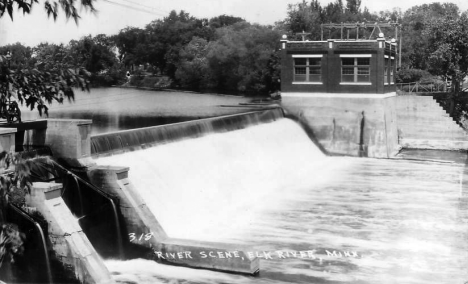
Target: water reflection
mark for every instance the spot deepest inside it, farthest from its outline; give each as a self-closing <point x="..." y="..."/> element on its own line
<point x="113" y="109"/>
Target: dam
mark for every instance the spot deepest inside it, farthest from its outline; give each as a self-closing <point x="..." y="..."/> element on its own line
<point x="307" y="217"/>
<point x="255" y="182"/>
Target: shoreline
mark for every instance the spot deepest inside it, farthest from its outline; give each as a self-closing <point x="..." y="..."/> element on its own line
<point x="184" y="91"/>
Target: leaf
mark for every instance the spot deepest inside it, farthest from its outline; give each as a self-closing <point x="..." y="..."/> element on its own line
<point x="10" y="9"/>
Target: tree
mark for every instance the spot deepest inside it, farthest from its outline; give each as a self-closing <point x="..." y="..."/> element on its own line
<point x="333" y="12"/>
<point x="167" y="37"/>
<point x="241" y="58"/>
<point x="353" y="6"/>
<point x="15" y="183"/>
<point x="51" y="7"/>
<point x="413" y="23"/>
<point x="11" y="243"/>
<point x="20" y="54"/>
<point x="51" y="78"/>
<point x="448" y="48"/>
<point x="94" y="54"/>
<point x="224" y="21"/>
<point x="192" y="70"/>
<point x="304" y="17"/>
<point x="127" y="41"/>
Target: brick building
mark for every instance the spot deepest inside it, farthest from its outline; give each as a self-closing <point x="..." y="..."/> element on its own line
<point x="338" y="66"/>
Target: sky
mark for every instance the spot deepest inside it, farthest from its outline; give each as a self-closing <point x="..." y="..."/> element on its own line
<point x="114" y="15"/>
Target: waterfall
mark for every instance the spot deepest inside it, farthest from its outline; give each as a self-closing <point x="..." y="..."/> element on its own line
<point x="268" y="187"/>
<point x="206" y="184"/>
<point x="126" y="140"/>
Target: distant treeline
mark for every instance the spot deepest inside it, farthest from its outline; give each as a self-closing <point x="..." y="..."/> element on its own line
<point x="226" y="53"/>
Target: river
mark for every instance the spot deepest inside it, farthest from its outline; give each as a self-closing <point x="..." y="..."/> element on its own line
<point x="113" y="109"/>
<point x="269" y="188"/>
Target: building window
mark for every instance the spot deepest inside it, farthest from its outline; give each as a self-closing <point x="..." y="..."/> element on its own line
<point x="308" y="69"/>
<point x="392" y="64"/>
<point x="355" y="70"/>
<point x="386" y="71"/>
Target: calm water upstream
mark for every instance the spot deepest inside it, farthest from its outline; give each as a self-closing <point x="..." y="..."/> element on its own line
<point x="268" y="187"/>
<point x="114" y="109"/>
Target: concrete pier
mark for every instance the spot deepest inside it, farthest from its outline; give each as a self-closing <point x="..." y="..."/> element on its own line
<point x="71" y="246"/>
<point x="7" y="139"/>
<point x="147" y="232"/>
<point x="348" y="124"/>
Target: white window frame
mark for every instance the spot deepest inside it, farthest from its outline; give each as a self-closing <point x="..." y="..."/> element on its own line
<point x="386" y="69"/>
<point x="307" y="66"/>
<point x="392" y="70"/>
<point x="355" y="66"/>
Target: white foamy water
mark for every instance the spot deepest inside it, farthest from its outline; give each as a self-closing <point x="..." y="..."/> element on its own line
<point x="268" y="187"/>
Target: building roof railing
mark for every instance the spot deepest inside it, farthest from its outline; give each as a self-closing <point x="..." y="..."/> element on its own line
<point x="357" y="26"/>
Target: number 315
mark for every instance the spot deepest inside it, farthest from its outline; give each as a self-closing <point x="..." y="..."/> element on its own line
<point x="146" y="237"/>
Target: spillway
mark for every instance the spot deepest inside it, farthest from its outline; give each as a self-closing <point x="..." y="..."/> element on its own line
<point x="267" y="186"/>
<point x="236" y="172"/>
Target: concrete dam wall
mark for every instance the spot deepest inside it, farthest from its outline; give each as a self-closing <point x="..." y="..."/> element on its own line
<point x="185" y="195"/>
<point x="134" y="139"/>
<point x="348" y="124"/>
<point x="376" y="126"/>
<point x="424" y="124"/>
<point x="118" y="175"/>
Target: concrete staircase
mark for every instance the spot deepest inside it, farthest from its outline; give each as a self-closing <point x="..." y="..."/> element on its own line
<point x="446" y="107"/>
<point x="424" y="124"/>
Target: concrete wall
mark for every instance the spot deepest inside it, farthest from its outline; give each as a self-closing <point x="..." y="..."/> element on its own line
<point x="27" y="133"/>
<point x="139" y="220"/>
<point x="348" y="124"/>
<point x="7" y="139"/>
<point x="424" y="124"/>
<point x="70" y="244"/>
<point x="140" y="138"/>
<point x="69" y="138"/>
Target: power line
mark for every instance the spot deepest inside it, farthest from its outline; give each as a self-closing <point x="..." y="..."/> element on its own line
<point x="147" y="7"/>
<point x="134" y="8"/>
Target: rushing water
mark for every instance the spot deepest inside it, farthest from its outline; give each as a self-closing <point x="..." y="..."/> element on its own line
<point x="268" y="187"/>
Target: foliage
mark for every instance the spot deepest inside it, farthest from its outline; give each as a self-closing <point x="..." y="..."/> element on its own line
<point x="353" y="6"/>
<point x="224" y="21"/>
<point x="308" y="17"/>
<point x="225" y="52"/>
<point x="52" y="8"/>
<point x="96" y="55"/>
<point x="193" y="69"/>
<point x="15" y="183"/>
<point x="170" y="35"/>
<point x="50" y="79"/>
<point x="11" y="242"/>
<point x="127" y="41"/>
<point x="304" y="17"/>
<point x="20" y="55"/>
<point x="52" y="76"/>
<point x="448" y="48"/>
<point x="411" y="75"/>
<point x="413" y="22"/>
<point x="240" y="58"/>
